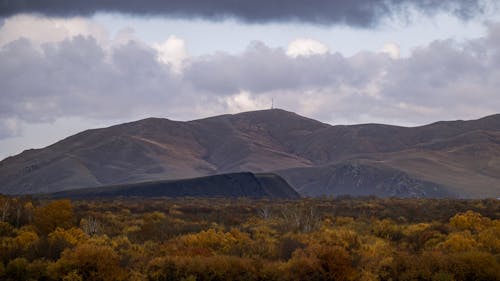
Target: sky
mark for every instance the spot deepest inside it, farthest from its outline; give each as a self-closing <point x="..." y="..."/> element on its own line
<point x="68" y="66"/>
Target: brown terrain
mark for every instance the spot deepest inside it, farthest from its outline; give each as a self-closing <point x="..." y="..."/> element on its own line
<point x="452" y="158"/>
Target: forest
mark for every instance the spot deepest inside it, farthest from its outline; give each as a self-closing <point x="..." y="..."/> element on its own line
<point x="337" y="238"/>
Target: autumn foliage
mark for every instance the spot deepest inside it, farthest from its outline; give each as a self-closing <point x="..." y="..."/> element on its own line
<point x="243" y="239"/>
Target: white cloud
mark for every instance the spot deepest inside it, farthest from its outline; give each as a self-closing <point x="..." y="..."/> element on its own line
<point x="124" y="36"/>
<point x="245" y="101"/>
<point x="391" y="49"/>
<point x="173" y="52"/>
<point x="306" y="47"/>
<point x="39" y="29"/>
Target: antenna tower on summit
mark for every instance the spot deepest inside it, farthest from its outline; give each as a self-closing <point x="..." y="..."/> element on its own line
<point x="272" y="103"/>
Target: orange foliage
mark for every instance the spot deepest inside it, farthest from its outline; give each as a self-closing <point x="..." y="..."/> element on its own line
<point x="89" y="261"/>
<point x="245" y="239"/>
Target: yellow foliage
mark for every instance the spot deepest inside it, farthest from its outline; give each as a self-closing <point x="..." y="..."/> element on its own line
<point x="233" y="242"/>
<point x="143" y="240"/>
<point x="101" y="240"/>
<point x="57" y="213"/>
<point x="29" y="206"/>
<point x="459" y="242"/>
<point x="375" y="254"/>
<point x="120" y="242"/>
<point x="344" y="220"/>
<point x="490" y="239"/>
<point x="91" y="262"/>
<point x="415" y="229"/>
<point x="154" y="216"/>
<point x="470" y="220"/>
<point x="72" y="276"/>
<point x="265" y="239"/>
<point x="341" y="236"/>
<point x="131" y="229"/>
<point x="25" y="238"/>
<point x="203" y="268"/>
<point x="375" y="250"/>
<point x="435" y="239"/>
<point x="72" y="236"/>
<point x="387" y="229"/>
<point x="207" y="239"/>
<point x="263" y="232"/>
<point x="475" y="265"/>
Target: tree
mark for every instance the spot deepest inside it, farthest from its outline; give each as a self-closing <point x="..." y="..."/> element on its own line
<point x="17" y="269"/>
<point x="470" y="220"/>
<point x="90" y="226"/>
<point x="475" y="266"/>
<point x="490" y="239"/>
<point x="90" y="261"/>
<point x="61" y="239"/>
<point x="459" y="242"/>
<point x="4" y="208"/>
<point x="58" y="213"/>
<point x="319" y="262"/>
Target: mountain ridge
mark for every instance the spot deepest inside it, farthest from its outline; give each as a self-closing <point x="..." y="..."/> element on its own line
<point x="458" y="156"/>
<point x="243" y="184"/>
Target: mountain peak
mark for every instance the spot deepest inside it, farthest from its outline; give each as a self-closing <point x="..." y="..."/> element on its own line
<point x="444" y="154"/>
<point x="263" y="113"/>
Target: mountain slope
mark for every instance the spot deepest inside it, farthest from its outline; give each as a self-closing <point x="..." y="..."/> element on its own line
<point x="454" y="157"/>
<point x="361" y="179"/>
<point x="225" y="185"/>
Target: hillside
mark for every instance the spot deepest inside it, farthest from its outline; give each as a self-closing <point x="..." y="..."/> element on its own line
<point x="225" y="185"/>
<point x="452" y="158"/>
<point x="362" y="179"/>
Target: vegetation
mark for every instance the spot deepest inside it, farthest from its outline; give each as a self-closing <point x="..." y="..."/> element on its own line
<point x="243" y="239"/>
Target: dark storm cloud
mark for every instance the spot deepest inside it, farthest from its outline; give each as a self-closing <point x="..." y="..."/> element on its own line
<point x="362" y="13"/>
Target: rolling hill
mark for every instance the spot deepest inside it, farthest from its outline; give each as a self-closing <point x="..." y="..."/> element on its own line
<point x="449" y="158"/>
<point x="225" y="185"/>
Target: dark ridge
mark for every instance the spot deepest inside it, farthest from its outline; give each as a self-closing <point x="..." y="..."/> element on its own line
<point x="225" y="185"/>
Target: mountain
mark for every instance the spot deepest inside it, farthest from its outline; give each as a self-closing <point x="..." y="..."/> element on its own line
<point x="451" y="158"/>
<point x="225" y="185"/>
<point x="359" y="179"/>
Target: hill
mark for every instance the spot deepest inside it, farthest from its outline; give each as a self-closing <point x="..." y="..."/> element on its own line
<point x="225" y="185"/>
<point x="451" y="158"/>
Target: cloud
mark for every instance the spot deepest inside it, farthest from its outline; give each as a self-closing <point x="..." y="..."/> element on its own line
<point x="306" y="47"/>
<point x="82" y="77"/>
<point x="172" y="51"/>
<point x="361" y="13"/>
<point x="244" y="101"/>
<point x="42" y="29"/>
<point x="391" y="49"/>
<point x="78" y="77"/>
<point x="9" y="127"/>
